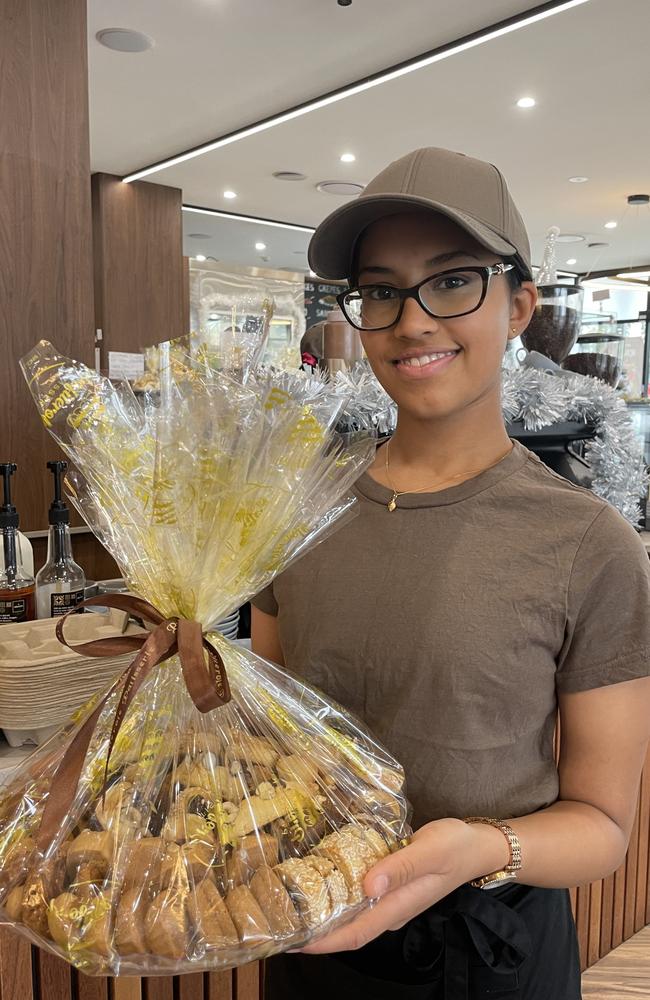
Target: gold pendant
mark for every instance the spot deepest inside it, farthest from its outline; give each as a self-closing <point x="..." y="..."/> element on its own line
<point x="391" y="503"/>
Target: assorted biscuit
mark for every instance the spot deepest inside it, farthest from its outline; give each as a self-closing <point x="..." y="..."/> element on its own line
<point x="231" y="849"/>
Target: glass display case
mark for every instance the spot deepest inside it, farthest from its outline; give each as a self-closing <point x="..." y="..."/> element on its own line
<point x="634" y="332"/>
<point x="235" y="309"/>
<point x="640" y="413"/>
<point x="616" y="306"/>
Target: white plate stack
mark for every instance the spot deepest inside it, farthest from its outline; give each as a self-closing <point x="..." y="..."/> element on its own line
<point x="43" y="682"/>
<point x="229" y="626"/>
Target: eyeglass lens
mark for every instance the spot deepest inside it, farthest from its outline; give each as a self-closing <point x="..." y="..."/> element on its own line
<point x="448" y="294"/>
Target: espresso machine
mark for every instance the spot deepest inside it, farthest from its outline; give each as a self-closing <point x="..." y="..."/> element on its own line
<point x="560" y="446"/>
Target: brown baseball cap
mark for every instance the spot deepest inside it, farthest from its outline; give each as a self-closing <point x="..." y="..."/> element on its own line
<point x="471" y="192"/>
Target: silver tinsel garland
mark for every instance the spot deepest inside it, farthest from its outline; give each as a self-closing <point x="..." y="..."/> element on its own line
<point x="368" y="406"/>
<point x="537" y="399"/>
<point x="618" y="470"/>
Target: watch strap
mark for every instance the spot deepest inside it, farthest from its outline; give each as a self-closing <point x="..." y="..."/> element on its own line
<point x="514" y="862"/>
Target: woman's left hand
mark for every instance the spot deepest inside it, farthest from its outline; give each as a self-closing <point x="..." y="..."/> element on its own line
<point x="441" y="856"/>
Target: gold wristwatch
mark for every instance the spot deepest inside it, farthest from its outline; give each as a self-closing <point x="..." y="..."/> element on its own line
<point x="509" y="873"/>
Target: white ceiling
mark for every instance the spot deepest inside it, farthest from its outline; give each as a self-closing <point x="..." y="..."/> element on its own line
<point x="221" y="64"/>
<point x="234" y="242"/>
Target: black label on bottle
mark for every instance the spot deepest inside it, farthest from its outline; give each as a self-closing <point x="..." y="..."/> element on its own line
<point x="16" y="609"/>
<point x="60" y="604"/>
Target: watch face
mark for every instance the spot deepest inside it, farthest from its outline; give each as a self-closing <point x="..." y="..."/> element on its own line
<point x="496" y="882"/>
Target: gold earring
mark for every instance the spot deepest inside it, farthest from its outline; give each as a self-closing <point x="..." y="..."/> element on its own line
<point x="512" y="329"/>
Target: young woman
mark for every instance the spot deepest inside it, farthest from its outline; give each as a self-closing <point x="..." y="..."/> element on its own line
<point x="474" y="594"/>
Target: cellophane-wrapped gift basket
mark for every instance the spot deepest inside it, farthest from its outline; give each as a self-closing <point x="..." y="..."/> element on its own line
<point x="209" y="809"/>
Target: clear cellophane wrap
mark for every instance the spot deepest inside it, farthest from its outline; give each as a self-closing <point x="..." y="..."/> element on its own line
<point x="210" y="839"/>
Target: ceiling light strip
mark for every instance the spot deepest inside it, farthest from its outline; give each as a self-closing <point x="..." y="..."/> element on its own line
<point x="247" y="218"/>
<point x="497" y="30"/>
<point x="290" y="225"/>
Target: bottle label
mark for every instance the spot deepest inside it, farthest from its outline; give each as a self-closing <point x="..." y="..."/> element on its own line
<point x="16" y="609"/>
<point x="60" y="604"/>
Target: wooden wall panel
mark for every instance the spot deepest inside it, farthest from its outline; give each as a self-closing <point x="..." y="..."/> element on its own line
<point x="644" y="851"/>
<point x="607" y="916"/>
<point x="90" y="987"/>
<point x="15" y="967"/>
<point x="96" y="562"/>
<point x="629" y="911"/>
<point x="247" y="982"/>
<point x="158" y="988"/>
<point x="45" y="220"/>
<point x="139" y="272"/>
<point x="191" y="987"/>
<point x="219" y="986"/>
<point x="582" y="922"/>
<point x="595" y="917"/>
<point x="647" y="905"/>
<point x="54" y="976"/>
<point x="619" y="905"/>
<point x="186" y="292"/>
<point x="128" y="988"/>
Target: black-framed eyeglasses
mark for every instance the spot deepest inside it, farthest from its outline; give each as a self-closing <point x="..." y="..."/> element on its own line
<point x="444" y="295"/>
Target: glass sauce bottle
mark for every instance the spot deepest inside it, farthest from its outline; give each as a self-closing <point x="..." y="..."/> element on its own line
<point x="16" y="584"/>
<point x="61" y="581"/>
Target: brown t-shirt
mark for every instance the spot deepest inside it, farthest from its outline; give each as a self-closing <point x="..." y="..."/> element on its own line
<point x="449" y="625"/>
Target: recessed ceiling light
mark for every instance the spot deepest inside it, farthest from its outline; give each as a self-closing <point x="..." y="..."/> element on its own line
<point x="526" y="102"/>
<point x="570" y="238"/>
<point x="348" y="158"/>
<point x="596" y="244"/>
<point x="260" y="246"/>
<point x="199" y="236"/>
<point x="572" y="260"/>
<point x="339" y="187"/>
<point x="611" y="225"/>
<point x="289" y="175"/>
<point x="229" y="194"/>
<point x="301" y="252"/>
<point x="200" y="257"/>
<point x="578" y="179"/>
<point x="430" y="58"/>
<point x="124" y="40"/>
<point x="638" y="199"/>
<point x="213" y="316"/>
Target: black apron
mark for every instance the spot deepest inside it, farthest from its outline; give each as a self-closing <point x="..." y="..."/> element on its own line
<point x="514" y="942"/>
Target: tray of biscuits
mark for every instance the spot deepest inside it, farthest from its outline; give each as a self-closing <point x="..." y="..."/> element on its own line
<point x="209" y="845"/>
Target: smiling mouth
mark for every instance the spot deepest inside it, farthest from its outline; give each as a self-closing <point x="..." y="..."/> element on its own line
<point x="423" y="360"/>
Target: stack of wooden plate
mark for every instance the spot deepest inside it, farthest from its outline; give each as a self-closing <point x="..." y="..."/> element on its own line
<point x="43" y="682"/>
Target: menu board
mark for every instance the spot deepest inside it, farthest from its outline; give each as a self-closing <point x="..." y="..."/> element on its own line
<point x="320" y="299"/>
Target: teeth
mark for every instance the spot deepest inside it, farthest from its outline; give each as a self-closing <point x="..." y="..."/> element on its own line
<point x="425" y="359"/>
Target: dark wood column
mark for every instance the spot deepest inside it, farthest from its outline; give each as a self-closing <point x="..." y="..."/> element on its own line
<point x="45" y="220"/>
<point x="138" y="259"/>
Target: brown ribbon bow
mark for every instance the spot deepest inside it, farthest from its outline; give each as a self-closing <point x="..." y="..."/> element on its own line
<point x="205" y="679"/>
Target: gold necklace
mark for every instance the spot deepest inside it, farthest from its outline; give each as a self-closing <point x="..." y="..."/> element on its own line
<point x="392" y="503"/>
